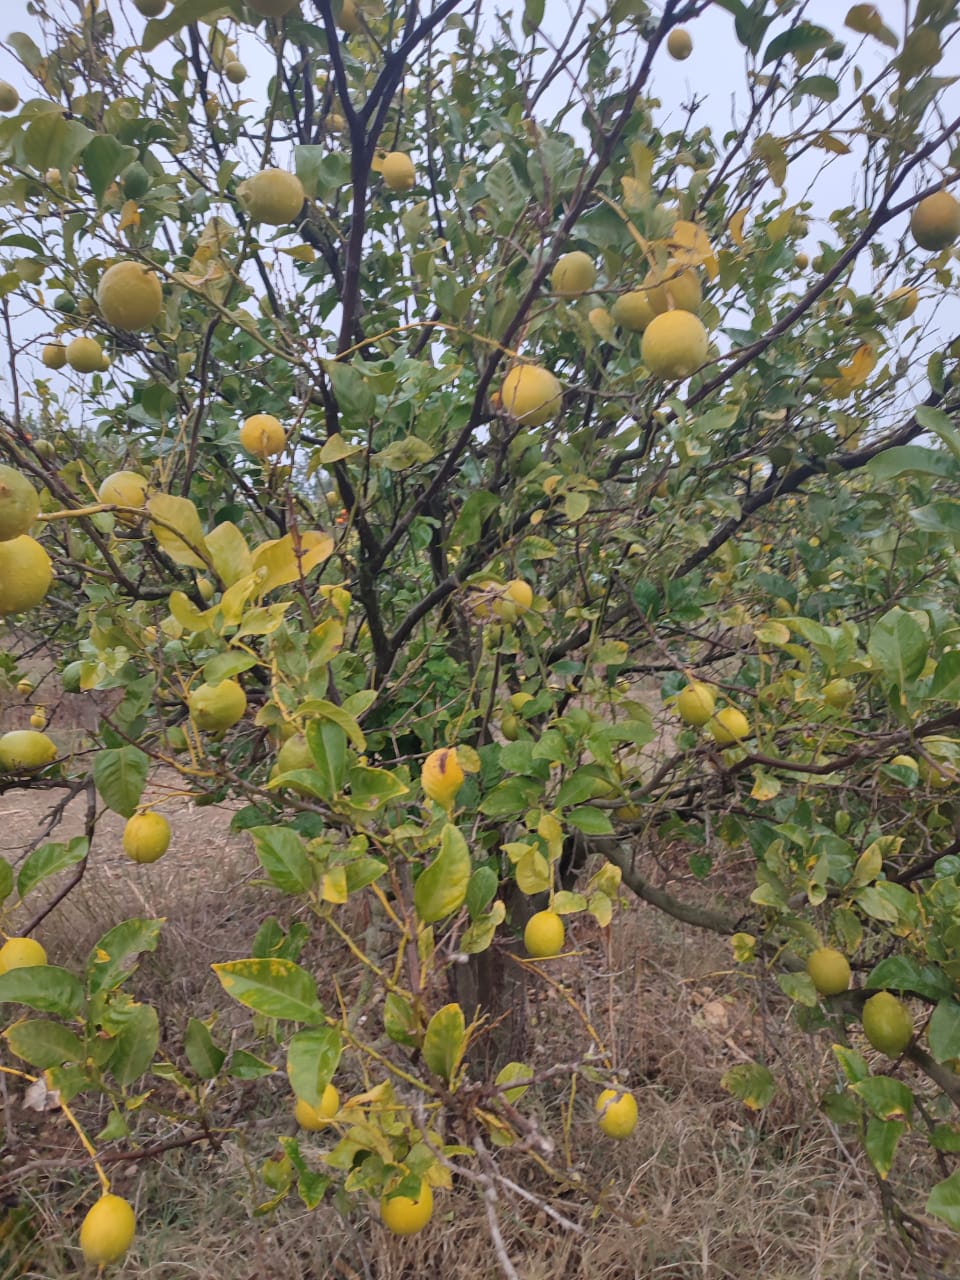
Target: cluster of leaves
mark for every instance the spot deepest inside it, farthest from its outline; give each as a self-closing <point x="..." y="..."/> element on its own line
<point x="771" y="526"/>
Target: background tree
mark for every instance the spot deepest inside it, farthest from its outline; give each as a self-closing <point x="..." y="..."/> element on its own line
<point x="411" y="390"/>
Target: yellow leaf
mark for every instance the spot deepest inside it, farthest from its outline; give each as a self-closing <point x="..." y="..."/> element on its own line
<point x="335" y="449"/>
<point x="779" y="226"/>
<point x="770" y="150"/>
<point x="187" y="614"/>
<point x="234" y="599"/>
<point x="229" y="551"/>
<point x="735" y="226"/>
<point x="744" y="947"/>
<point x="301" y="252"/>
<point x="333" y="886"/>
<point x="177" y="529"/>
<point x="601" y="908"/>
<point x="533" y="873"/>
<point x="288" y="559"/>
<point x="642" y="158"/>
<point x="129" y="215"/>
<point x="635" y="194"/>
<point x="550" y="829"/>
<point x="690" y="244"/>
<point x="855" y="373"/>
<point x="764" y="787"/>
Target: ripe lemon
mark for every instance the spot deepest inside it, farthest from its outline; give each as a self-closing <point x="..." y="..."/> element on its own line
<point x="215" y="707"/>
<point x="146" y="837"/>
<point x="935" y="221"/>
<point x="441" y="776"/>
<point x="85" y="355"/>
<point x="24" y="749"/>
<point x="235" y="72"/>
<point x="513" y="600"/>
<point x="21" y="953"/>
<point x="130" y="296"/>
<point x="906" y="762"/>
<point x="887" y="1024"/>
<point x="531" y="394"/>
<point x="616" y="1113"/>
<point x="544" y="935"/>
<point x="263" y="435"/>
<point x="839" y="693"/>
<point x="107" y="1231"/>
<point x="272" y="196"/>
<point x="904" y="302"/>
<point x="695" y="703"/>
<point x="125" y="489"/>
<point x="150" y="8"/>
<point x="406" y="1215"/>
<point x="314" y="1118"/>
<point x="397" y="171"/>
<point x="294" y="754"/>
<point x="728" y="726"/>
<point x="573" y="275"/>
<point x="9" y="98"/>
<point x="829" y="970"/>
<point x="273" y="8"/>
<point x="674" y="345"/>
<point x="673" y="286"/>
<point x="25" y="574"/>
<point x="679" y="44"/>
<point x="25" y="687"/>
<point x="19" y="503"/>
<point x="54" y="355"/>
<point x="39" y="718"/>
<point x="633" y="310"/>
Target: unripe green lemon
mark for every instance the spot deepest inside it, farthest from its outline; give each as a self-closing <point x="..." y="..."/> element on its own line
<point x="887" y="1024"/>
<point x="130" y="297"/>
<point x="22" y="750"/>
<point x="54" y="355"/>
<point x="85" y="355"/>
<point x="633" y="310"/>
<point x="9" y="97"/>
<point x="839" y="693"/>
<point x="215" y="707"/>
<point x="935" y="221"/>
<point x="829" y="970"/>
<point x="272" y="196"/>
<point x="679" y="44"/>
<point x="675" y="286"/>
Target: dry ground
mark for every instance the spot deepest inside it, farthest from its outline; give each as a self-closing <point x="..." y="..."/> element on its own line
<point x="703" y="1190"/>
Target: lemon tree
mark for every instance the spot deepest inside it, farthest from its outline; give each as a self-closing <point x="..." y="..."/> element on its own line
<point x="383" y="425"/>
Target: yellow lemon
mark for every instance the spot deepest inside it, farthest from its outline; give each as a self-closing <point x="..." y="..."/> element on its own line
<point x="513" y="600"/>
<point x="146" y="837"/>
<point x="674" y="345"/>
<point x="130" y="296"/>
<point x="695" y="703"/>
<point x="544" y="935"/>
<point x="673" y="286"/>
<point x="728" y="726"/>
<point x="21" y="953"/>
<point x="272" y="196"/>
<point x="85" y="355"/>
<point x="887" y="1024"/>
<point x="314" y="1118"/>
<point x="839" y="693"/>
<point x="124" y="489"/>
<point x="22" y="750"/>
<point x="633" y="310"/>
<point x="935" y="221"/>
<point x="616" y="1113"/>
<point x="294" y="754"/>
<point x="406" y="1215"/>
<point x="19" y="504"/>
<point x="39" y="718"/>
<point x="531" y="394"/>
<point x="904" y="301"/>
<point x="54" y="355"/>
<point x="25" y="574"/>
<point x="263" y="435"/>
<point x="397" y="171"/>
<point x="829" y="970"/>
<point x="215" y="707"/>
<point x="679" y="44"/>
<point x="441" y="776"/>
<point x="573" y="275"/>
<point x="107" y="1231"/>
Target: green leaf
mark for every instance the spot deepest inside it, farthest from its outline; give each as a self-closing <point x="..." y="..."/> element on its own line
<point x="120" y="774"/>
<point x="371" y="789"/>
<point x="900" y="973"/>
<point x="278" y="988"/>
<point x="283" y="856"/>
<point x="852" y="1064"/>
<point x="445" y="1041"/>
<point x="103" y="159"/>
<point x="52" y="142"/>
<point x="337" y="715"/>
<point x="752" y="1083"/>
<point x="6" y="879"/>
<point x="442" y="888"/>
<point x="480" y="891"/>
<point x="400" y="1020"/>
<point x="943" y="1031"/>
<point x="913" y="459"/>
<point x="469" y="523"/>
<point x="184" y="12"/>
<point x="203" y="1054"/>
<point x="592" y="822"/>
<point x="111" y="959"/>
<point x="44" y="987"/>
<point x="135" y="1043"/>
<point x="865" y="19"/>
<point x="799" y="987"/>
<point x="946" y="679"/>
<point x="887" y="1098"/>
<point x="399" y="455"/>
<point x="880" y="1143"/>
<point x="823" y="87"/>
<point x="48" y="860"/>
<point x="801" y="37"/>
<point x="312" y="1058"/>
<point x="247" y="1066"/>
<point x="532" y="15"/>
<point x="328" y="746"/>
<point x="898" y="644"/>
<point x="944" y="1201"/>
<point x="352" y="389"/>
<point x="226" y="665"/>
<point x="44" y="1044"/>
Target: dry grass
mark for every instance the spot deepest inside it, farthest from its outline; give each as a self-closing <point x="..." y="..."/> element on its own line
<point x="704" y="1190"/>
